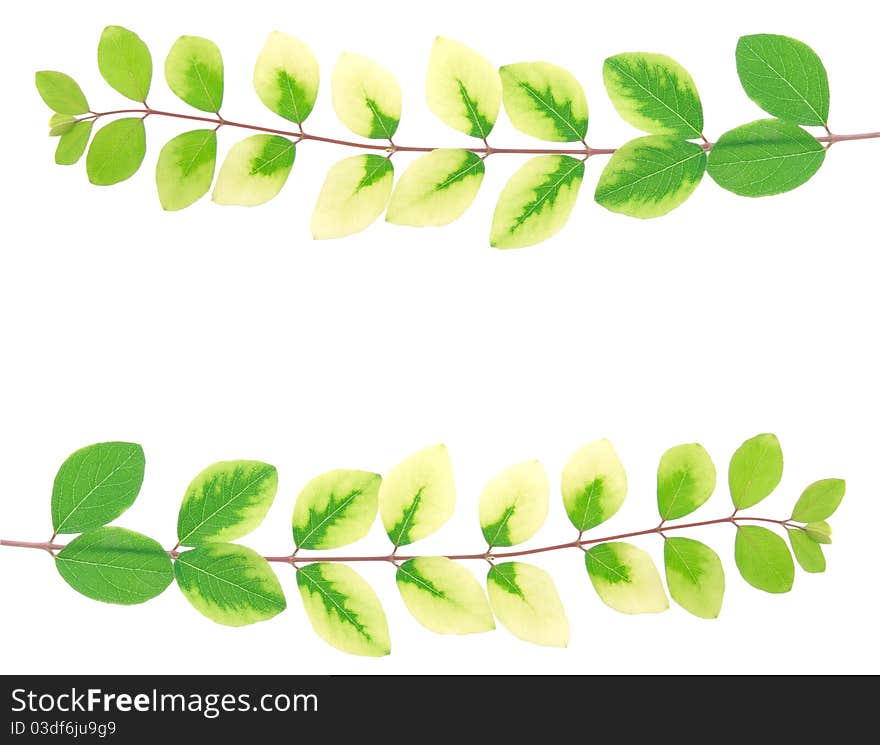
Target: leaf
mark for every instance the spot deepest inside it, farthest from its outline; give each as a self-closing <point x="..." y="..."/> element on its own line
<point x="463" y="88"/>
<point x="343" y="609"/>
<point x="766" y="157"/>
<point x="366" y="97"/>
<point x="73" y="144"/>
<point x="784" y="77"/>
<point x="60" y="123"/>
<point x="194" y="72"/>
<point x="226" y="501"/>
<point x="650" y="176"/>
<point x="61" y="93"/>
<point x="763" y="559"/>
<point x="807" y="552"/>
<point x="526" y="602"/>
<point x="115" y="565"/>
<point x="125" y="63"/>
<point x="593" y="485"/>
<point x="95" y="485"/>
<point x="819" y="500"/>
<point x="514" y="504"/>
<point x="354" y="194"/>
<point x="625" y="578"/>
<point x="818" y="531"/>
<point x="685" y="480"/>
<point x="185" y="168"/>
<point x="536" y="202"/>
<point x="545" y="101"/>
<point x="286" y="77"/>
<point x="417" y="496"/>
<point x="444" y="596"/>
<point x="335" y="509"/>
<point x="117" y="151"/>
<point x="436" y="188"/>
<point x="694" y="576"/>
<point x="654" y="93"/>
<point x="755" y="470"/>
<point x="232" y="585"/>
<point x="254" y="171"/>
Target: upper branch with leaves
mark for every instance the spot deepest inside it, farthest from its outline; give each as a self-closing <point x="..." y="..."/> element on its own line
<point x="646" y="177"/>
<point x="234" y="585"/>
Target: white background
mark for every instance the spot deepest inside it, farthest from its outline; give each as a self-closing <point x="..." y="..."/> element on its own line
<point x="219" y="333"/>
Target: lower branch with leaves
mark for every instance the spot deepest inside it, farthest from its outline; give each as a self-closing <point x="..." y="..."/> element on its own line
<point x="234" y="585"/>
<point x="646" y="177"/>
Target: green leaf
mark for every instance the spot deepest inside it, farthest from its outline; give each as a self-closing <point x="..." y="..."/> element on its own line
<point x="95" y="485"/>
<point x="229" y="584"/>
<point x="463" y="88"/>
<point x="115" y="565"/>
<point x="254" y="171"/>
<point x="354" y="194"/>
<point x="650" y="176"/>
<point x="125" y="62"/>
<point x="185" y="168"/>
<point x="818" y="531"/>
<point x="286" y="77"/>
<point x="807" y="552"/>
<point x="755" y="470"/>
<point x="61" y="92"/>
<point x="654" y="93"/>
<point x="536" y="201"/>
<point x="763" y="559"/>
<point x="226" y="501"/>
<point x="443" y="596"/>
<point x="784" y="77"/>
<point x="73" y="144"/>
<point x="417" y="496"/>
<point x="526" y="602"/>
<point x="819" y="500"/>
<point x="766" y="157"/>
<point x="593" y="485"/>
<point x="545" y="101"/>
<point x="60" y="124"/>
<point x="514" y="504"/>
<point x="117" y="151"/>
<point x="343" y="609"/>
<point x="335" y="509"/>
<point x="685" y="480"/>
<point x="366" y="97"/>
<point x="694" y="576"/>
<point x="194" y="72"/>
<point x="436" y="188"/>
<point x="625" y="578"/>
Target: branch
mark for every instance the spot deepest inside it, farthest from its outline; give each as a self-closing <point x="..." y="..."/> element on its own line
<point x="296" y="558"/>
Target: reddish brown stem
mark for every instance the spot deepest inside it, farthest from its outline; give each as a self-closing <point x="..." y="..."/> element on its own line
<point x="585" y="151"/>
<point x="580" y="542"/>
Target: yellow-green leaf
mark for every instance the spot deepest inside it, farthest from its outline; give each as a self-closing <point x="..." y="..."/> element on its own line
<point x="685" y="480"/>
<point x="593" y="485"/>
<point x="763" y="559"/>
<point x="366" y="97"/>
<point x="254" y="171"/>
<point x="755" y="470"/>
<point x="625" y="578"/>
<point x="526" y="602"/>
<point x="443" y="596"/>
<point x="436" y="188"/>
<point x="125" y="62"/>
<point x="536" y="202"/>
<point x="819" y="500"/>
<point x="818" y="531"/>
<point x="343" y="609"/>
<point x="117" y="151"/>
<point x="808" y="553"/>
<point x="194" y="71"/>
<point x="185" y="168"/>
<point x="72" y="144"/>
<point x="545" y="101"/>
<point x="417" y="496"/>
<point x="514" y="504"/>
<point x="61" y="93"/>
<point x="354" y="194"/>
<point x="694" y="576"/>
<point x="335" y="509"/>
<point x="463" y="88"/>
<point x="286" y="77"/>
